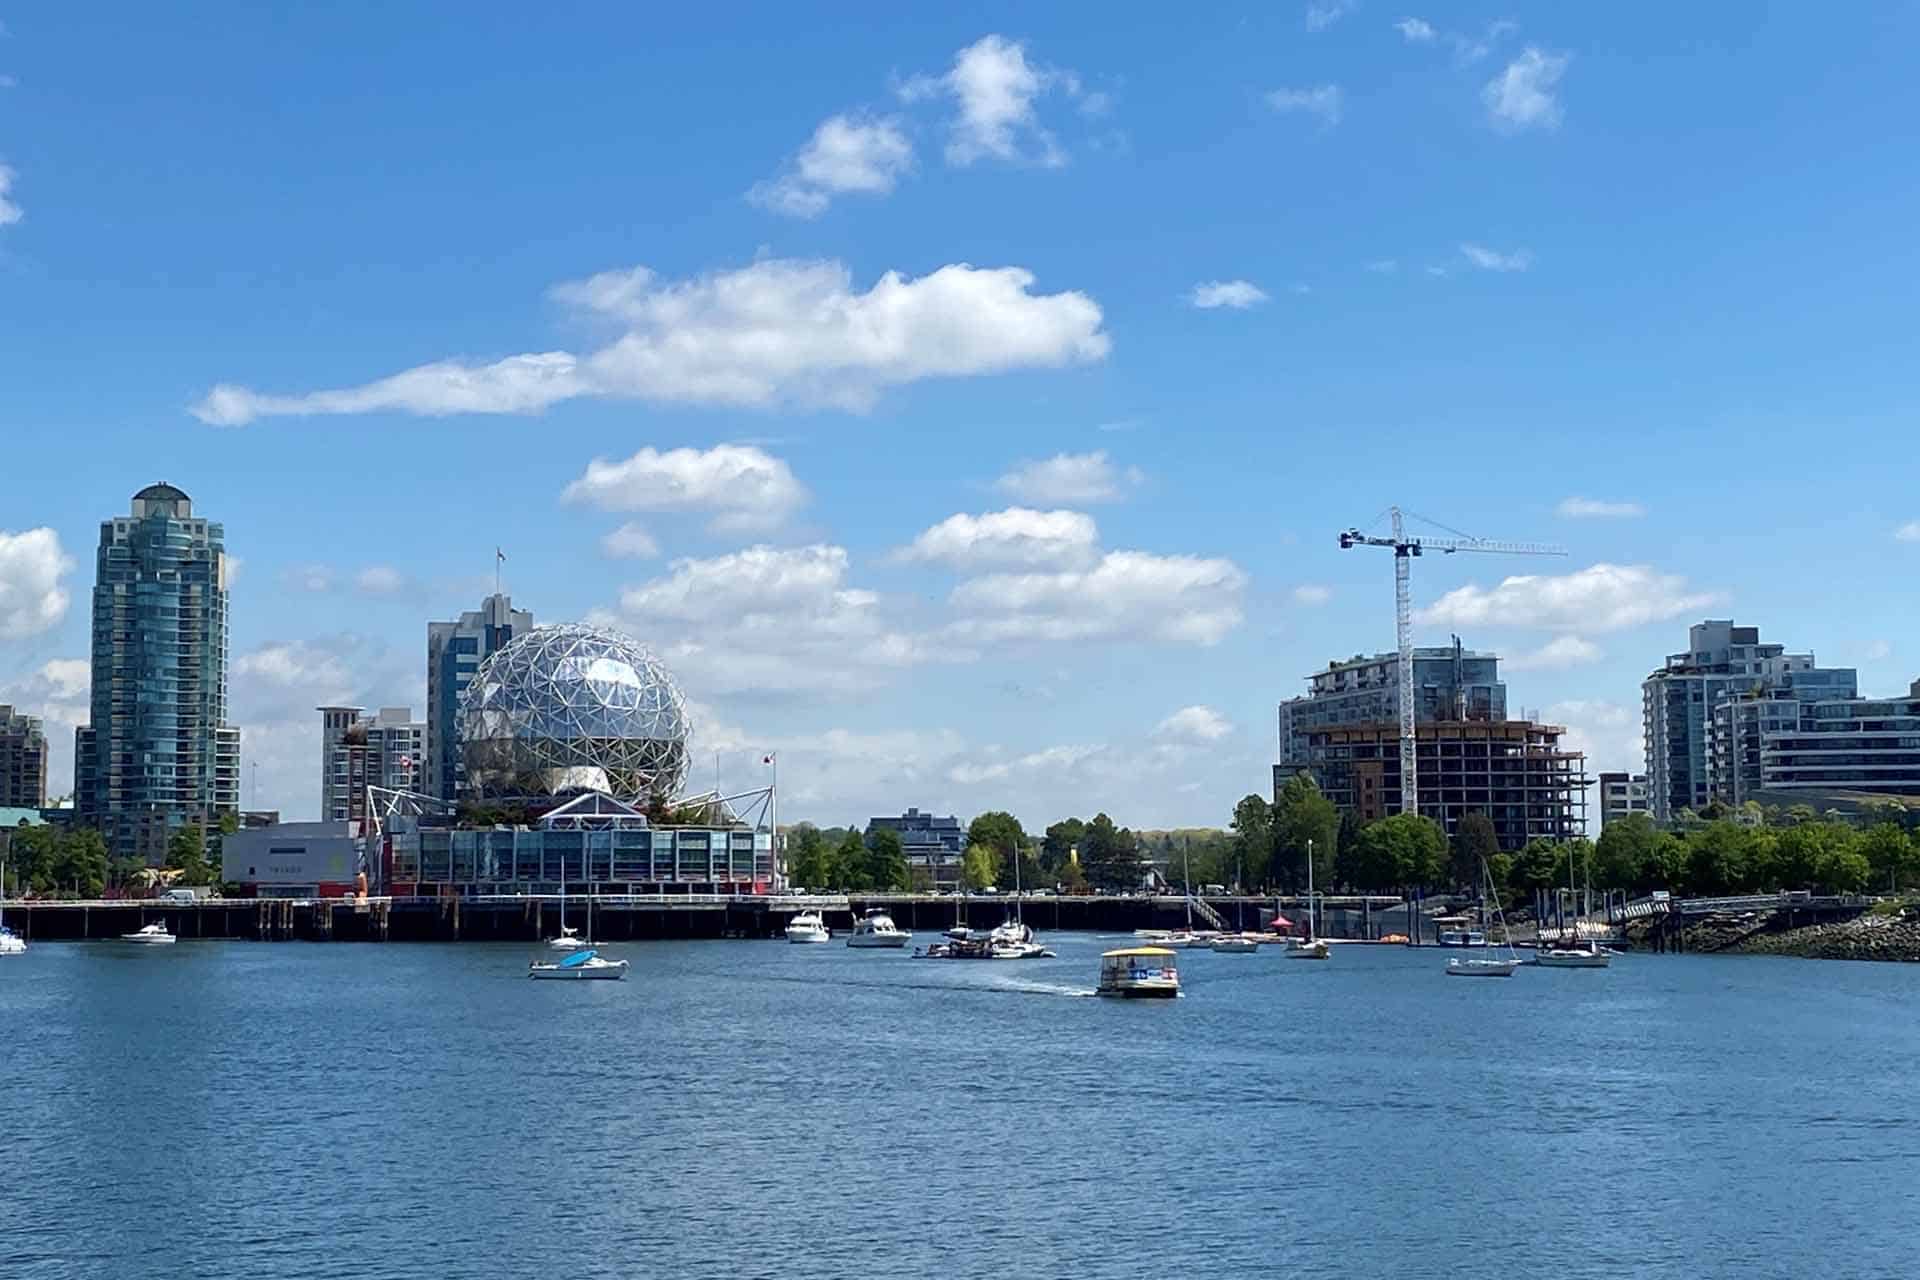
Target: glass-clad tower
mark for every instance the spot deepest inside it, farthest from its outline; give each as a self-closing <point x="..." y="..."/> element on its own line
<point x="158" y="752"/>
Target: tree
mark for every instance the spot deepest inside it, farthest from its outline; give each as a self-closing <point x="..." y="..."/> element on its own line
<point x="808" y="863"/>
<point x="1843" y="868"/>
<point x="1719" y="857"/>
<point x="1109" y="855"/>
<point x="997" y="830"/>
<point x="1625" y="843"/>
<point x="1304" y="818"/>
<point x="83" y="862"/>
<point x="1889" y="852"/>
<point x="1400" y="852"/>
<point x="886" y="860"/>
<point x="1665" y="863"/>
<point x="187" y="854"/>
<point x="1071" y="878"/>
<point x="1474" y="841"/>
<point x="980" y="867"/>
<point x="1253" y="838"/>
<point x="848" y="868"/>
<point x="1347" y="851"/>
<point x="1541" y="865"/>
<point x="1062" y="839"/>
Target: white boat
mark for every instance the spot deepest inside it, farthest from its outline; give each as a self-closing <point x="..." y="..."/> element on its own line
<point x="152" y="935"/>
<point x="11" y="943"/>
<point x="1573" y="955"/>
<point x="1311" y="947"/>
<point x="1139" y="972"/>
<point x="1156" y="937"/>
<point x="1236" y="944"/>
<point x="1462" y="937"/>
<point x="808" y="927"/>
<point x="578" y="967"/>
<point x="1013" y="940"/>
<point x="877" y="929"/>
<point x="569" y="939"/>
<point x="1487" y="966"/>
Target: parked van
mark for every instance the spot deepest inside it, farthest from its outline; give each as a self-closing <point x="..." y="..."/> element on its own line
<point x="187" y="896"/>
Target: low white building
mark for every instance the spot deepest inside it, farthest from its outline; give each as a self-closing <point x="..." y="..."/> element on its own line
<point x="292" y="860"/>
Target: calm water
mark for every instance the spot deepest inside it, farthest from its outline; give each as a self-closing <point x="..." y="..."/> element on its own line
<point x="748" y="1109"/>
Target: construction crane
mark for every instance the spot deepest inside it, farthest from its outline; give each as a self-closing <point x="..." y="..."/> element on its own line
<point x="1404" y="550"/>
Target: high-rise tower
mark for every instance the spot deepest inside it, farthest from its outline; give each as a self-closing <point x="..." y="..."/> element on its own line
<point x="158" y="753"/>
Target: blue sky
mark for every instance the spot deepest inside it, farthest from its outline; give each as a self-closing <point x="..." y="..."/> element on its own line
<point x="1479" y="261"/>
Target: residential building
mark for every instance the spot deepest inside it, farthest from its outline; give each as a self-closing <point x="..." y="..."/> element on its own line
<point x="157" y="753"/>
<point x="1451" y="683"/>
<point x="390" y="751"/>
<point x="1864" y="746"/>
<point x="455" y="651"/>
<point x="1513" y="771"/>
<point x="23" y="760"/>
<point x="934" y="846"/>
<point x="1695" y="750"/>
<point x="1620" y="795"/>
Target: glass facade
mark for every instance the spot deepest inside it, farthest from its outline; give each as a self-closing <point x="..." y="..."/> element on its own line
<point x="1450" y="683"/>
<point x="158" y="752"/>
<point x="455" y="651"/>
<point x="648" y="860"/>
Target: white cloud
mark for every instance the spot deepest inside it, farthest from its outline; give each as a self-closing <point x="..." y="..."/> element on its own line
<point x="10" y="211"/>
<point x="57" y="692"/>
<point x="1492" y="260"/>
<point x="1908" y="532"/>
<point x="380" y="580"/>
<point x="744" y="487"/>
<point x="1126" y="595"/>
<point x="1415" y="30"/>
<point x="1383" y="266"/>
<point x="1878" y="651"/>
<point x="780" y="619"/>
<point x="1557" y="654"/>
<point x="1311" y="594"/>
<point x="1018" y="536"/>
<point x="1437" y="272"/>
<point x="316" y="578"/>
<point x="777" y="332"/>
<point x="1600" y="598"/>
<point x="994" y="87"/>
<point x="33" y="598"/>
<point x="630" y="542"/>
<point x="1321" y="101"/>
<point x="1521" y="97"/>
<point x="1594" y="508"/>
<point x="1239" y="294"/>
<point x="1195" y="724"/>
<point x="1608" y="732"/>
<point x="1070" y="477"/>
<point x="1324" y="13"/>
<point x="846" y="154"/>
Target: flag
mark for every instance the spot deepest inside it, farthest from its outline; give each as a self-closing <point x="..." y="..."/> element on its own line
<point x="498" y="555"/>
<point x="767" y="759"/>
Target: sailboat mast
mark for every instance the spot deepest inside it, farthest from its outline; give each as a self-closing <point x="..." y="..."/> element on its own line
<point x="1186" y="864"/>
<point x="1311" y="932"/>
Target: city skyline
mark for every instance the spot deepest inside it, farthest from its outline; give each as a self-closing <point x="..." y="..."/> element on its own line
<point x="1064" y="539"/>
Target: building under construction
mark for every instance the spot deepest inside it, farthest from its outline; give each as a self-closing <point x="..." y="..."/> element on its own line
<point x="1469" y="757"/>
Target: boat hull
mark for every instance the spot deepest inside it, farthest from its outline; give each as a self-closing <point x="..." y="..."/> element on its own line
<point x="879" y="940"/>
<point x="10" y="945"/>
<point x="1237" y="946"/>
<point x="808" y="936"/>
<point x="1482" y="968"/>
<point x="1575" y="960"/>
<point x="611" y="971"/>
<point x="1312" y="951"/>
<point x="148" y="940"/>
<point x="1142" y="991"/>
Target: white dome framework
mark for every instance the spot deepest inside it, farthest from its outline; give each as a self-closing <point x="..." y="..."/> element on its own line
<point x="572" y="708"/>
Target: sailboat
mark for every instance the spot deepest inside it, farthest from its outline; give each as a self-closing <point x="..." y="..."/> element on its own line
<point x="570" y="939"/>
<point x="1013" y="940"/>
<point x="1492" y="967"/>
<point x="1311" y="947"/>
<point x="1189" y="936"/>
<point x="11" y="943"/>
<point x="1575" y="952"/>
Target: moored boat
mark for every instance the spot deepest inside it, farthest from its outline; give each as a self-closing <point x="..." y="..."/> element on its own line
<point x="1139" y="972"/>
<point x="569" y="939"/>
<point x="1462" y="967"/>
<point x="11" y="943"/>
<point x="151" y="935"/>
<point x="1237" y="944"/>
<point x="1308" y="949"/>
<point x="808" y="927"/>
<point x="580" y="966"/>
<point x="877" y="929"/>
<point x="1573" y="955"/>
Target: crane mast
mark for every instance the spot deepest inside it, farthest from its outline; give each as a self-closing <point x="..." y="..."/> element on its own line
<point x="1404" y="550"/>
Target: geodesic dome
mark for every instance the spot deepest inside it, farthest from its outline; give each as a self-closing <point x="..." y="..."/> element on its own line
<point x="573" y="708"/>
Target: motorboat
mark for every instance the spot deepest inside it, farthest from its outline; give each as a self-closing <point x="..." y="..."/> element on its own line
<point x="11" y="943"/>
<point x="877" y="929"/>
<point x="1462" y="967"/>
<point x="1308" y="949"/>
<point x="1153" y="937"/>
<point x="1573" y="955"/>
<point x="1138" y="972"/>
<point x="1457" y="931"/>
<point x="152" y="935"/>
<point x="569" y="939"/>
<point x="1236" y="944"/>
<point x="580" y="966"/>
<point x="808" y="927"/>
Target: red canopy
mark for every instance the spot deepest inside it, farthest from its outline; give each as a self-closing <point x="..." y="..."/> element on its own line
<point x="1280" y="922"/>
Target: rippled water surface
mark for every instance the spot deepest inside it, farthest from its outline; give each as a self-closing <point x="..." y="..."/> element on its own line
<point x="256" y="1110"/>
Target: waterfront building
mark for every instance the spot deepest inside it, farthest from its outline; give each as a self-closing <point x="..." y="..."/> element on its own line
<point x="1861" y="746"/>
<point x="388" y="750"/>
<point x="1620" y="795"/>
<point x="293" y="859"/>
<point x="935" y="847"/>
<point x="23" y="760"/>
<point x="1513" y="771"/>
<point x="1449" y="683"/>
<point x="455" y="651"/>
<point x="1697" y="749"/>
<point x="157" y="752"/>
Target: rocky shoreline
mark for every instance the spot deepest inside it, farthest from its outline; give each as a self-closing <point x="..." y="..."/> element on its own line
<point x="1865" y="937"/>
